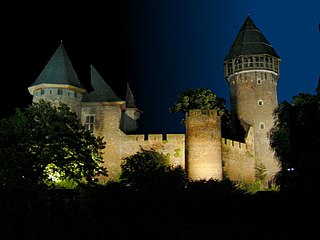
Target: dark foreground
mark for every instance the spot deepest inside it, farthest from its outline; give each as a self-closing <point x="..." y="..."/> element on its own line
<point x="106" y="213"/>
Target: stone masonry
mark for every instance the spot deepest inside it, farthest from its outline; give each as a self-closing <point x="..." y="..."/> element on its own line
<point x="252" y="70"/>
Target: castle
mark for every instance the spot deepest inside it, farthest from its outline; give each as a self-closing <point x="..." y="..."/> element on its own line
<point x="251" y="69"/>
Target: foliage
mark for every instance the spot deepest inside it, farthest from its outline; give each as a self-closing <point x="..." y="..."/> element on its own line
<point x="260" y="172"/>
<point x="148" y="170"/>
<point x="205" y="99"/>
<point x="213" y="188"/>
<point x="199" y="98"/>
<point x="47" y="144"/>
<point x="295" y="139"/>
<point x="256" y="186"/>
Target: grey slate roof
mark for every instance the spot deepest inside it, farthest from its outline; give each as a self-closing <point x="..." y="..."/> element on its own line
<point x="102" y="92"/>
<point x="59" y="70"/>
<point x="130" y="100"/>
<point x="250" y="40"/>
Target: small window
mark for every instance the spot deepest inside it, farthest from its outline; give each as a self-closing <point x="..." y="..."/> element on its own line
<point x="42" y="91"/>
<point x="89" y="124"/>
<point x="260" y="103"/>
<point x="60" y="91"/>
<point x="259" y="81"/>
<point x="75" y="94"/>
<point x="50" y="92"/>
<point x="262" y="126"/>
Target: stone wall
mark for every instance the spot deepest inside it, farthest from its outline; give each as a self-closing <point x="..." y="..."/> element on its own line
<point x="122" y="145"/>
<point x="238" y="161"/>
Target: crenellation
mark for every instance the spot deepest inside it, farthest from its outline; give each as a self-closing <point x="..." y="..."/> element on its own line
<point x="136" y="137"/>
<point x="176" y="137"/>
<point x="235" y="144"/>
<point x="154" y="137"/>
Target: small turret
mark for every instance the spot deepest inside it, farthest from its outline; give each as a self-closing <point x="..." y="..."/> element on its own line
<point x="131" y="114"/>
<point x="58" y="82"/>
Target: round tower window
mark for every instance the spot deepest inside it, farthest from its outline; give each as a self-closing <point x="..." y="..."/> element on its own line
<point x="260" y="102"/>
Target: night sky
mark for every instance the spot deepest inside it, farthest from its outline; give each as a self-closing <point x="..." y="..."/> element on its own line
<point x="161" y="47"/>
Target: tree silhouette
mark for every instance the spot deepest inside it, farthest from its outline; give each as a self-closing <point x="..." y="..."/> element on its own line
<point x="149" y="170"/>
<point x="47" y="144"/>
<point x="295" y="139"/>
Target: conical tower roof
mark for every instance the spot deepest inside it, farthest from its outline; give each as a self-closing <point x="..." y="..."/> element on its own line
<point x="102" y="92"/>
<point x="130" y="100"/>
<point x="250" y="40"/>
<point x="59" y="70"/>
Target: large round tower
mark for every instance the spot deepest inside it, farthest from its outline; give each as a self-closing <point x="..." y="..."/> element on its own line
<point x="58" y="82"/>
<point x="203" y="145"/>
<point x="251" y="68"/>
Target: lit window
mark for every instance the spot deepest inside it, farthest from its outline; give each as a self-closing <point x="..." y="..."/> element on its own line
<point x="89" y="123"/>
<point x="260" y="103"/>
<point x="262" y="126"/>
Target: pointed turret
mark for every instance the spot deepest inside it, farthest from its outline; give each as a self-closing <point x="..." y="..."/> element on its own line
<point x="58" y="82"/>
<point x="130" y="100"/>
<point x="58" y="71"/>
<point x="250" y="40"/>
<point x="102" y="92"/>
<point x="131" y="113"/>
<point x="250" y="50"/>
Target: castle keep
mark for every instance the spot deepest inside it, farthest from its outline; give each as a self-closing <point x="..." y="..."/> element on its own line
<point x="251" y="68"/>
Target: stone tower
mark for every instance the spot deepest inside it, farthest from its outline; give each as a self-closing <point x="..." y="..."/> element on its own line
<point x="251" y="68"/>
<point x="58" y="82"/>
<point x="203" y="145"/>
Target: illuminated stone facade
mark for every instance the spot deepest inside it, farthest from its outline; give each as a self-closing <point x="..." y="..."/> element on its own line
<point x="252" y="72"/>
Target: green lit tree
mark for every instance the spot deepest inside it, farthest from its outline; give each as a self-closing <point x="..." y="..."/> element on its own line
<point x="205" y="99"/>
<point x="295" y="139"/>
<point x="47" y="144"/>
<point x="199" y="98"/>
<point x="150" y="170"/>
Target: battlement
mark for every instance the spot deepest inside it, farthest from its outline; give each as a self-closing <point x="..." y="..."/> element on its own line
<point x="232" y="143"/>
<point x="199" y="112"/>
<point x="161" y="138"/>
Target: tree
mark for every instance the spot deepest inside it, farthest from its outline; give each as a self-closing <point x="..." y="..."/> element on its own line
<point x="199" y="98"/>
<point x="295" y="139"/>
<point x="47" y="144"/>
<point x="150" y="170"/>
<point x="205" y="99"/>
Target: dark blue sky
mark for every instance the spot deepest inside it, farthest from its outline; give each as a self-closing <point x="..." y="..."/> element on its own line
<point x="161" y="47"/>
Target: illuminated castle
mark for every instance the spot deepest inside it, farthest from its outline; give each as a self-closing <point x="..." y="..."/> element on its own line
<point x="251" y="68"/>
